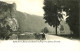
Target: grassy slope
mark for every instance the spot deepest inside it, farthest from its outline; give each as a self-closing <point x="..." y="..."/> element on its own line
<point x="31" y="23"/>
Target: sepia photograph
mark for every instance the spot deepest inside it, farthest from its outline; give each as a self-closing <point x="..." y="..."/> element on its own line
<point x="39" y="25"/>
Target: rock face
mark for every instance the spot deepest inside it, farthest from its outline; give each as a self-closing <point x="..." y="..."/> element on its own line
<point x="12" y="22"/>
<point x="8" y="23"/>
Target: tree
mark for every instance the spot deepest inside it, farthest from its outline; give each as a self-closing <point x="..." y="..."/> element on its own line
<point x="73" y="19"/>
<point x="51" y="9"/>
<point x="45" y="30"/>
<point x="72" y="9"/>
<point x="70" y="6"/>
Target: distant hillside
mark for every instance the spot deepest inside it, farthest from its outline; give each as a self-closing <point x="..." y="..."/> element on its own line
<point x="31" y="23"/>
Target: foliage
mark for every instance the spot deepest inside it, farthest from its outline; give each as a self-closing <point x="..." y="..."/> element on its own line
<point x="72" y="9"/>
<point x="51" y="9"/>
<point x="73" y="19"/>
<point x="69" y="6"/>
<point x="50" y="15"/>
<point x="8" y="23"/>
<point x="62" y="28"/>
<point x="45" y="30"/>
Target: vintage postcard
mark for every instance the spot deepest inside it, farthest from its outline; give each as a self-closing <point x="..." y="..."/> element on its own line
<point x="39" y="25"/>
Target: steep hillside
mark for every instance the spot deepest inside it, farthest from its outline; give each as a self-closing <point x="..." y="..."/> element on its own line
<point x="31" y="23"/>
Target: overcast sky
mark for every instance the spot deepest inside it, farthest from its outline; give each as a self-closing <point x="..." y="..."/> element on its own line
<point x="28" y="6"/>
